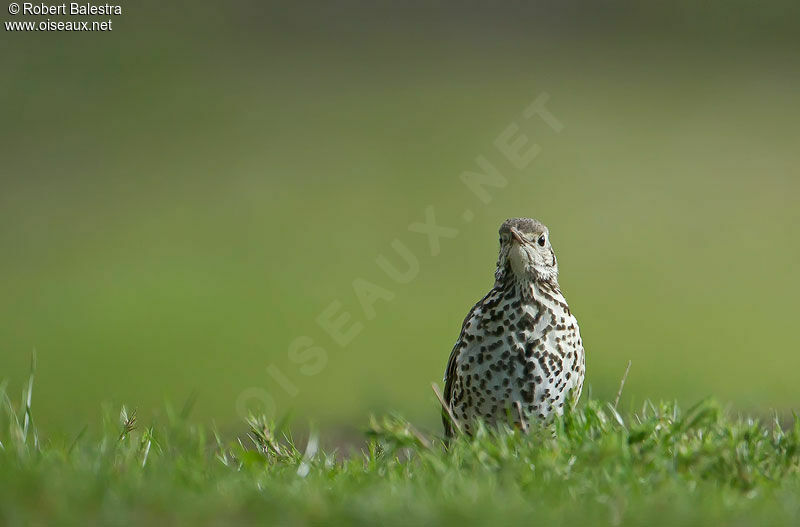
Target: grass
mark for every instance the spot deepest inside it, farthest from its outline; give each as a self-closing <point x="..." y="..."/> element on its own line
<point x="659" y="466"/>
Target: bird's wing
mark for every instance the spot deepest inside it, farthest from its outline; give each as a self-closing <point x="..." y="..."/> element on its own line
<point x="449" y="373"/>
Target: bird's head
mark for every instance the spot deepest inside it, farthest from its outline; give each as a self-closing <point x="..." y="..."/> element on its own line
<point x="525" y="252"/>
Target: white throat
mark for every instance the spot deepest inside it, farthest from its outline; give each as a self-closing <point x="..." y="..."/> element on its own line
<point x="520" y="262"/>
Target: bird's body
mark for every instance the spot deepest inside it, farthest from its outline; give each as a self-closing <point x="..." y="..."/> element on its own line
<point x="519" y="354"/>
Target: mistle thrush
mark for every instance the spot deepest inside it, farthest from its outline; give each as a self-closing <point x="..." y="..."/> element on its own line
<point x="520" y="353"/>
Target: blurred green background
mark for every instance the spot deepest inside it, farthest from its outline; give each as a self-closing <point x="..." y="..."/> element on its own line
<point x="180" y="199"/>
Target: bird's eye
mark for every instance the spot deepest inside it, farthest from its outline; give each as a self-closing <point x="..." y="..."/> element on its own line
<point x="542" y="241"/>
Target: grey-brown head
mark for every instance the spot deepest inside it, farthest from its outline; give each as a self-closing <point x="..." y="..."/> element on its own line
<point x="525" y="252"/>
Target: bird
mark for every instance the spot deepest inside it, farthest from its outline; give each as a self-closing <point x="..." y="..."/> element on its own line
<point x="519" y="355"/>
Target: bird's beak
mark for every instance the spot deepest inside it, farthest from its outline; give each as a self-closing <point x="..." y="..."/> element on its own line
<point x="517" y="236"/>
